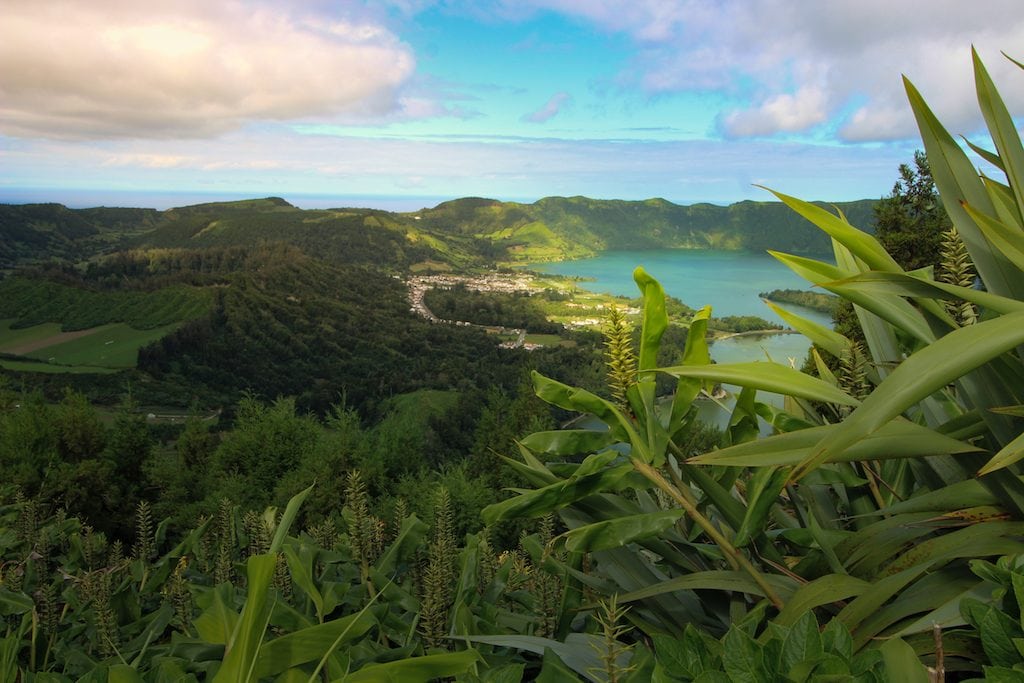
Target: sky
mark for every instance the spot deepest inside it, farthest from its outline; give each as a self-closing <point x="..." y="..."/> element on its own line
<point x="403" y="103"/>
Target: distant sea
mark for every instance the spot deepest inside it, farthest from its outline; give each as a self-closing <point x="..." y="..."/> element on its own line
<point x="155" y="199"/>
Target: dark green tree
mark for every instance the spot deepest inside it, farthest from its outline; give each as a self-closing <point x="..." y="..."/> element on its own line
<point x="911" y="220"/>
<point x="268" y="441"/>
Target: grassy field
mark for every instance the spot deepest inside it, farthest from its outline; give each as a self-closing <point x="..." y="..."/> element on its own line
<point x="12" y="339"/>
<point x="109" y="346"/>
<point x="548" y="340"/>
<point x="106" y="348"/>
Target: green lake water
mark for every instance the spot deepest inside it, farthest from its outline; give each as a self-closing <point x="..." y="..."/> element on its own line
<point x="728" y="281"/>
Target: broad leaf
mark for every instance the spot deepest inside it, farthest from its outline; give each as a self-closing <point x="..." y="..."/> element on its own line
<point x="425" y="668"/>
<point x="896" y="439"/>
<point x="614" y="533"/>
<point x="920" y="375"/>
<point x="767" y="377"/>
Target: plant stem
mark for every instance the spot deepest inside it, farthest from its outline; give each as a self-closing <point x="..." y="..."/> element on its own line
<point x="736" y="558"/>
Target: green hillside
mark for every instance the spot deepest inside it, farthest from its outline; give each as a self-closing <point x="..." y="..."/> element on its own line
<point x="283" y="323"/>
<point x="460" y="234"/>
<point x="32" y="301"/>
<point x="571" y="227"/>
<point x="37" y="232"/>
<point x="351" y="236"/>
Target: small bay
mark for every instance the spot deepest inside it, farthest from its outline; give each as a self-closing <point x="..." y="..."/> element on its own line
<point x="729" y="281"/>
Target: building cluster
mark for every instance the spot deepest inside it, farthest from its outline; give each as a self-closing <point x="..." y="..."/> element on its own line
<point x="492" y="282"/>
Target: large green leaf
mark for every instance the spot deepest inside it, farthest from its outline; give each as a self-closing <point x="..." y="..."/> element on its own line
<point x="892" y="309"/>
<point x="415" y="669"/>
<point x="310" y="644"/>
<point x="958" y="182"/>
<point x="1008" y="240"/>
<point x="901" y="662"/>
<point x="655" y="320"/>
<point x="12" y="603"/>
<point x="722" y="580"/>
<point x="244" y="647"/>
<point x="290" y="512"/>
<point x="1009" y="454"/>
<point x="567" y="442"/>
<point x="598" y="476"/>
<point x="219" y="620"/>
<point x="925" y="372"/>
<point x="613" y="533"/>
<point x="300" y="564"/>
<point x="1001" y="127"/>
<point x="863" y="245"/>
<point x="1005" y="202"/>
<point x="802" y="643"/>
<point x="885" y="349"/>
<point x="828" y="339"/>
<point x="767" y="377"/>
<point x="406" y="544"/>
<point x="581" y="400"/>
<point x="824" y="590"/>
<point x="579" y="651"/>
<point x="895" y="439"/>
<point x="961" y="495"/>
<point x="247" y="639"/>
<point x="871" y="599"/>
<point x="763" y="489"/>
<point x="907" y="285"/>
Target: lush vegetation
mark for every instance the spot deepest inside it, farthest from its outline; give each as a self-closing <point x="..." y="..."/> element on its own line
<point x="556" y="228"/>
<point x="815" y="301"/>
<point x="874" y="535"/>
<point x="911" y="220"/>
<point x="462" y="234"/>
<point x="34" y="301"/>
<point x="39" y="232"/>
<point x="518" y="310"/>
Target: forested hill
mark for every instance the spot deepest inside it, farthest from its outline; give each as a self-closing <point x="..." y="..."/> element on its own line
<point x="44" y="231"/>
<point x="459" y="233"/>
<point x="556" y="227"/>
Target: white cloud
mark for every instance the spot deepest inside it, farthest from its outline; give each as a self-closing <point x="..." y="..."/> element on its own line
<point x="790" y="66"/>
<point x="186" y="68"/>
<point x="276" y="161"/>
<point x="790" y="113"/>
<point x="550" y="109"/>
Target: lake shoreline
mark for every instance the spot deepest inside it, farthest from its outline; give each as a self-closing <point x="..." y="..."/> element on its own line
<point x="730" y="281"/>
<point x="751" y="333"/>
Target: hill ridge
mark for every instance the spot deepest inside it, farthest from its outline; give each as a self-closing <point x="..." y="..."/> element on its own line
<point x="463" y="232"/>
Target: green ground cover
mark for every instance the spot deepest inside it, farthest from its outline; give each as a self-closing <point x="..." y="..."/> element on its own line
<point x="109" y="346"/>
<point x="11" y="339"/>
<point x="548" y="340"/>
<point x="29" y="366"/>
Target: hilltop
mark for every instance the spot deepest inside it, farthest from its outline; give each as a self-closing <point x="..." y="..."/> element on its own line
<point x="462" y="233"/>
<point x="556" y="228"/>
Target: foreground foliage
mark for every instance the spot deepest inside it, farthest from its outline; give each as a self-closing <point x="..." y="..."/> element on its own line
<point x="875" y="532"/>
<point x="879" y="485"/>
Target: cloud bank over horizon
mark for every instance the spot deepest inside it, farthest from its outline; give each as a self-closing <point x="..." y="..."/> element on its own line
<point x="502" y="97"/>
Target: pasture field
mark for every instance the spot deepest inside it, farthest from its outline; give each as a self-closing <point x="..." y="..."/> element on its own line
<point x="106" y="348"/>
<point x="11" y="340"/>
<point x="110" y="346"/>
<point x="548" y="340"/>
